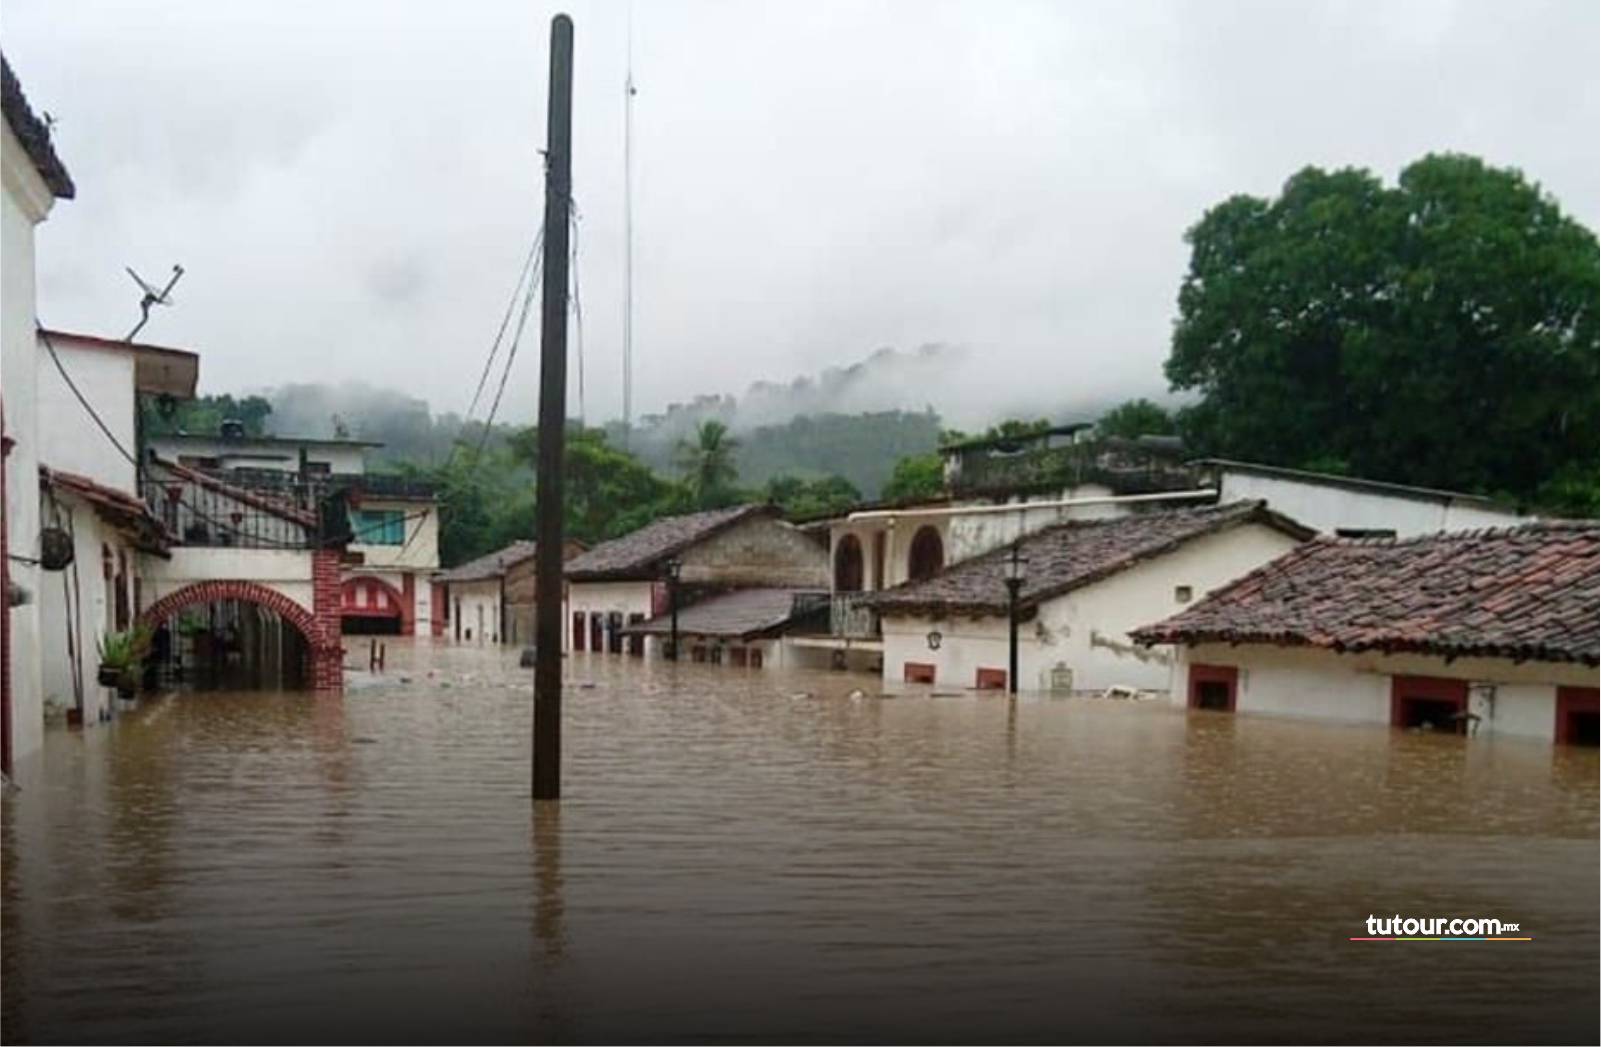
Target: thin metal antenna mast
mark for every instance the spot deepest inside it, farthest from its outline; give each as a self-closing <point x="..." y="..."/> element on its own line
<point x="628" y="236"/>
<point x="151" y="297"/>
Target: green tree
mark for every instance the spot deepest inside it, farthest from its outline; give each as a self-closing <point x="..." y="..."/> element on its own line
<point x="708" y="465"/>
<point x="1135" y="418"/>
<point x="801" y="498"/>
<point x="1440" y="332"/>
<point x="916" y="476"/>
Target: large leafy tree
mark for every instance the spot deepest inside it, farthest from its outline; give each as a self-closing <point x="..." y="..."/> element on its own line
<point x="1136" y="418"/>
<point x="1442" y="331"/>
<point x="801" y="498"/>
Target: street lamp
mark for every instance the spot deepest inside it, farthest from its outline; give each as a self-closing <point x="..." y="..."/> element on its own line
<point x="674" y="568"/>
<point x="1016" y="567"/>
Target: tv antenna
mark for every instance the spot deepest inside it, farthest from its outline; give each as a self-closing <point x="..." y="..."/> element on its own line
<point x="151" y="297"/>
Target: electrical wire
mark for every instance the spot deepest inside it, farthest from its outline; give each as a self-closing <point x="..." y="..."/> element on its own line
<point x="530" y="266"/>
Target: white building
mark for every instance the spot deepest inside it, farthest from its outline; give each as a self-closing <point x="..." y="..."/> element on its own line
<point x="34" y="179"/>
<point x="1350" y="505"/>
<point x="1488" y="632"/>
<point x="1085" y="584"/>
<point x="492" y="599"/>
<point x="90" y="492"/>
<point x="395" y="520"/>
<point x="624" y="582"/>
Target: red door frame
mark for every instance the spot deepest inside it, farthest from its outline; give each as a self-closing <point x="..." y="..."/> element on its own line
<point x="990" y="679"/>
<point x="1432" y="688"/>
<point x="918" y="672"/>
<point x="580" y="629"/>
<point x="1224" y="674"/>
<point x="1573" y="700"/>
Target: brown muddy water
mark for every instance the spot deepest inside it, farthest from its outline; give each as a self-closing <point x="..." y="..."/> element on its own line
<point x="759" y="855"/>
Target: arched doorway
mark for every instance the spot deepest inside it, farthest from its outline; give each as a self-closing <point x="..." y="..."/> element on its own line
<point x="848" y="565"/>
<point x="927" y="556"/>
<point x="320" y="667"/>
<point x="370" y="606"/>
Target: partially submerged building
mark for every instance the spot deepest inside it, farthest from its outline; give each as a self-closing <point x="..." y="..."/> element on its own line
<point x="742" y="628"/>
<point x="394" y="520"/>
<point x="492" y="599"/>
<point x="626" y="581"/>
<point x="1491" y="630"/>
<point x="1085" y="584"/>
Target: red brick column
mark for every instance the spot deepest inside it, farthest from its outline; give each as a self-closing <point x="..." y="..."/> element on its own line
<point x="408" y="604"/>
<point x="327" y="652"/>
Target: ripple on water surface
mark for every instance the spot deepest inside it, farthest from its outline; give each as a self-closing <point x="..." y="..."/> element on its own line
<point x="759" y="854"/>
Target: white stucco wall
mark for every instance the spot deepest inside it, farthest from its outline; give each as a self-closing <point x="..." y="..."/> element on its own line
<point x="286" y="570"/>
<point x="95" y="605"/>
<point x="281" y="455"/>
<point x="419" y="551"/>
<point x="25" y="203"/>
<point x="1330" y="507"/>
<point x="474" y="612"/>
<point x="1517" y="700"/>
<point x="625" y="598"/>
<point x="68" y="438"/>
<point x="1086" y="631"/>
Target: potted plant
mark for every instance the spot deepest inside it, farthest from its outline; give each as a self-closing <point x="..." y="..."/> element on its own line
<point x="121" y="655"/>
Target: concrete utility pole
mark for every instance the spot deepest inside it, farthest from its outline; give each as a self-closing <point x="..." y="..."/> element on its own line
<point x="553" y="414"/>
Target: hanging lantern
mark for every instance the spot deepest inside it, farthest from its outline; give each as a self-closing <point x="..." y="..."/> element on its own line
<point x="55" y="548"/>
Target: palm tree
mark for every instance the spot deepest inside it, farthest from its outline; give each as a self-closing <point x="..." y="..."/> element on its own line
<point x="707" y="462"/>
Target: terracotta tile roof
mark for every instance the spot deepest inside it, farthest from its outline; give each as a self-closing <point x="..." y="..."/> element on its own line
<point x="490" y="565"/>
<point x="741" y="614"/>
<point x="1069" y="556"/>
<point x="34" y="134"/>
<point x="639" y="554"/>
<point x="1526" y="592"/>
<point x="118" y="508"/>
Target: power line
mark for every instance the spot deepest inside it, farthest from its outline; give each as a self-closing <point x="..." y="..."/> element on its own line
<point x="578" y="316"/>
<point x="511" y="306"/>
<point x="505" y="372"/>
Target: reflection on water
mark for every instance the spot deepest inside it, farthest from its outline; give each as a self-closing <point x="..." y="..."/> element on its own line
<point x="748" y="854"/>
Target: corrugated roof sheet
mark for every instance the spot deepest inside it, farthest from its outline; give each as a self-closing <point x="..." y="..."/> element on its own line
<point x="739" y="614"/>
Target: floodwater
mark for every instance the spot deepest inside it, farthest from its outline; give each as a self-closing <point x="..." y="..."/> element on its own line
<point x="748" y="854"/>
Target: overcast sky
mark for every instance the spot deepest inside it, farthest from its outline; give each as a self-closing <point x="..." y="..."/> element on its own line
<point x="351" y="187"/>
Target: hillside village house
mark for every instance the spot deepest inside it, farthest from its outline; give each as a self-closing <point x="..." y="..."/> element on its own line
<point x="1001" y="489"/>
<point x="394" y="520"/>
<point x="625" y="581"/>
<point x="492" y="599"/>
<point x="1085" y="584"/>
<point x="91" y="493"/>
<point x="33" y="180"/>
<point x="1491" y="631"/>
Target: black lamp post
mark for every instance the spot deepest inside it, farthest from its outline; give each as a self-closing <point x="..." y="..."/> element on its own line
<point x="674" y="568"/>
<point x="1016" y="567"/>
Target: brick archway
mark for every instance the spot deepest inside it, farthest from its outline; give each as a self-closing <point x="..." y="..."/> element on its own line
<point x="321" y="636"/>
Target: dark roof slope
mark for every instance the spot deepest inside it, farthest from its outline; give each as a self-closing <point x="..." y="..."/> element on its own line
<point x="489" y="565"/>
<point x="1526" y="592"/>
<point x="639" y="554"/>
<point x="740" y="614"/>
<point x="1069" y="556"/>
<point x="33" y="133"/>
